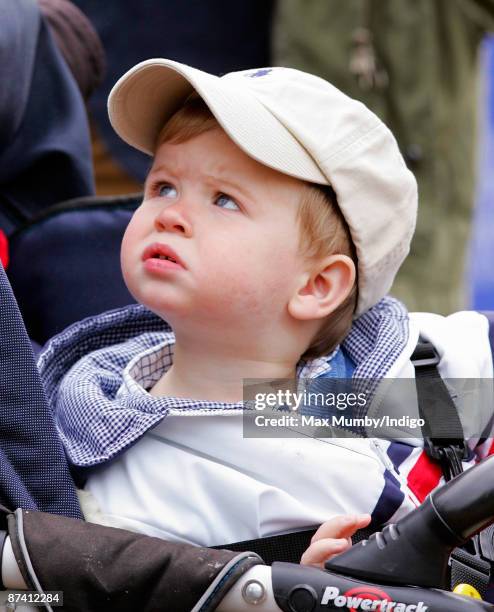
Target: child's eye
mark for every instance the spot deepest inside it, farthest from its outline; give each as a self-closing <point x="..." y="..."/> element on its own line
<point x="225" y="201"/>
<point x="165" y="190"/>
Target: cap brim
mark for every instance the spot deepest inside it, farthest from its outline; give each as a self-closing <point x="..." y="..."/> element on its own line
<point x="144" y="99"/>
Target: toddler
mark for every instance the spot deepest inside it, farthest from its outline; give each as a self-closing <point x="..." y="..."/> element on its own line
<point x="275" y="216"/>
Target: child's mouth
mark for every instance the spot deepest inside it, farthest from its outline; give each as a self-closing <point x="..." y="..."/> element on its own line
<point x="160" y="256"/>
<point x="165" y="257"/>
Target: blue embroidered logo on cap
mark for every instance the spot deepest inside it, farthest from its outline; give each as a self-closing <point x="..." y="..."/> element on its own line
<point x="259" y="73"/>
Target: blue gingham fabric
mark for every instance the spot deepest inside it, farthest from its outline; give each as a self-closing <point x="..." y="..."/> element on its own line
<point x="89" y="374"/>
<point x="145" y="369"/>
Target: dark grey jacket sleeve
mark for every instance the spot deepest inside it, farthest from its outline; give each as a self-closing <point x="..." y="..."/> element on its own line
<point x="103" y="568"/>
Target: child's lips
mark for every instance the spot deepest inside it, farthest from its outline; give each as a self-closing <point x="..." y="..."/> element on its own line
<point x="161" y="257"/>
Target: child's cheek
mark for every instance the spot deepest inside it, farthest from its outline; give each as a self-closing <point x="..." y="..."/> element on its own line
<point x="131" y="251"/>
<point x="133" y="241"/>
<point x="126" y="249"/>
<point x="248" y="292"/>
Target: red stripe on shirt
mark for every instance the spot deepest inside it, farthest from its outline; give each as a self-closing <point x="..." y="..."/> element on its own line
<point x="424" y="476"/>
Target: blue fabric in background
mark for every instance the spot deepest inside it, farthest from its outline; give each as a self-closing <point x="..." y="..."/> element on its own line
<point x="481" y="270"/>
<point x="65" y="265"/>
<point x="45" y="154"/>
<point x="33" y="468"/>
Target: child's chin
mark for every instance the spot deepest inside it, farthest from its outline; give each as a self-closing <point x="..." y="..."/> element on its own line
<point x="168" y="311"/>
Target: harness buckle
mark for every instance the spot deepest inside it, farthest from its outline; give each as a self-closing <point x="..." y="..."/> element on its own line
<point x="449" y="453"/>
<point x="425" y="355"/>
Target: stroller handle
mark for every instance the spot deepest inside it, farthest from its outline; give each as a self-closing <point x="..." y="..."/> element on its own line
<point x="378" y="573"/>
<point x="466" y="504"/>
<point x="416" y="550"/>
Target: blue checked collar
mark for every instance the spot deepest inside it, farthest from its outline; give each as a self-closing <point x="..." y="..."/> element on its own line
<point x="90" y="369"/>
<point x="145" y="369"/>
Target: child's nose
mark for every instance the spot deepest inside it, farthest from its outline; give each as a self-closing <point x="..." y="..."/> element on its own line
<point x="173" y="219"/>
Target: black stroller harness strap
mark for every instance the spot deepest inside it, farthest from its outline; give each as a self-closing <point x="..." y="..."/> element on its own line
<point x="443" y="433"/>
<point x="287" y="547"/>
<point x="444" y="442"/>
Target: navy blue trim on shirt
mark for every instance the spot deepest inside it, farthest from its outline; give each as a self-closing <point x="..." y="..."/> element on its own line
<point x="389" y="501"/>
<point x="398" y="452"/>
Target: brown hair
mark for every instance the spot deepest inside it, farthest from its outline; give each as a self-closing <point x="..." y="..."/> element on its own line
<point x="324" y="230"/>
<point x="192" y="119"/>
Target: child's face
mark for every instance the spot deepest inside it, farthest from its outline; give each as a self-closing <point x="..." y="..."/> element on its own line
<point x="230" y="224"/>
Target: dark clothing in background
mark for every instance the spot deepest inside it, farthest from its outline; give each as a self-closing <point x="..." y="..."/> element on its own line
<point x="217" y="36"/>
<point x="78" y="42"/>
<point x="33" y="469"/>
<point x="45" y="154"/>
<point x="414" y="63"/>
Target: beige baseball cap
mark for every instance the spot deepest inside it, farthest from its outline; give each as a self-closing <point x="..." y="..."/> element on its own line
<point x="303" y="126"/>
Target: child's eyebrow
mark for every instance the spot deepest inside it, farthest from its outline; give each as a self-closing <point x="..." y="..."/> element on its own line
<point x="157" y="170"/>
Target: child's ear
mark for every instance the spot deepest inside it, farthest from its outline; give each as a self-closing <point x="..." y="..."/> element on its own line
<point x="328" y="285"/>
